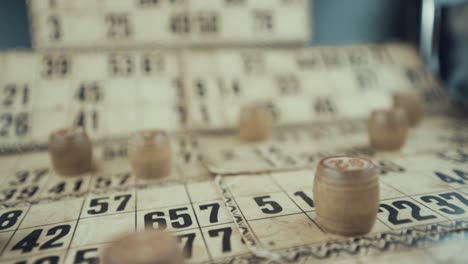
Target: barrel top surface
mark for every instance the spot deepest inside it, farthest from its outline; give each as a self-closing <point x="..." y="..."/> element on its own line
<point x="346" y="163"/>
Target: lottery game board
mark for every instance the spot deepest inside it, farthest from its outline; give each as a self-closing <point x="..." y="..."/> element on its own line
<point x="262" y="214"/>
<point x="226" y="201"/>
<point x="168" y="23"/>
<point x="113" y="93"/>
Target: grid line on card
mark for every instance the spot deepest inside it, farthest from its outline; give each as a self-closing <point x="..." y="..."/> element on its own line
<point x="238" y="208"/>
<point x="67" y="250"/>
<point x="393" y="188"/>
<point x="219" y="260"/>
<point x="412" y="197"/>
<point x="28" y="257"/>
<point x="198" y="222"/>
<point x="256" y="219"/>
<point x="14" y="232"/>
<point x="174" y="231"/>
<point x="405" y="196"/>
<point x="47" y="224"/>
<point x="110" y="189"/>
<point x="136" y="207"/>
<point x="84" y="193"/>
<point x="287" y="194"/>
<point x="272" y="217"/>
<point x="251" y="240"/>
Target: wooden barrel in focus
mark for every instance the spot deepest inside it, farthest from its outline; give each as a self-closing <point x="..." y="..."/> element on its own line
<point x="346" y="195"/>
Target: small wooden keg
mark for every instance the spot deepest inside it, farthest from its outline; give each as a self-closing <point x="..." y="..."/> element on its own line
<point x="70" y="151"/>
<point x="155" y="247"/>
<point x="346" y="195"/>
<point x="255" y="122"/>
<point x="149" y="152"/>
<point x="412" y="103"/>
<point x="388" y="129"/>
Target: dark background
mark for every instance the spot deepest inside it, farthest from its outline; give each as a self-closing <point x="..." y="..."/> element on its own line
<point x="334" y="22"/>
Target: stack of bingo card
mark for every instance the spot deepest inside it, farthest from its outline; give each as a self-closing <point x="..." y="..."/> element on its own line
<point x="114" y="67"/>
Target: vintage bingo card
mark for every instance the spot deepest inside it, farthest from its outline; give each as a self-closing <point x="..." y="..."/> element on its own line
<point x="422" y="217"/>
<point x="110" y="93"/>
<point x="301" y="85"/>
<point x="296" y="147"/>
<point x="115" y="92"/>
<point x="129" y="23"/>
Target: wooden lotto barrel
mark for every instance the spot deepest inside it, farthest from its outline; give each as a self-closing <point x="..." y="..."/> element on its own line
<point x="70" y="151"/>
<point x="151" y="246"/>
<point x="412" y="103"/>
<point x="149" y="152"/>
<point x="346" y="195"/>
<point x="388" y="129"/>
<point x="255" y="122"/>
